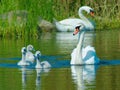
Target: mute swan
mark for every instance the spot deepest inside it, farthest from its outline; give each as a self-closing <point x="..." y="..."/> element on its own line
<point x="29" y="55"/>
<point x="82" y="55"/>
<point x="23" y="60"/>
<point x="37" y="55"/>
<point x="70" y="23"/>
<point x="43" y="64"/>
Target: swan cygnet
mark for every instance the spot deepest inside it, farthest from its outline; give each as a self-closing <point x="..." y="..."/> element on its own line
<point x="43" y="64"/>
<point x="29" y="55"/>
<point x="23" y="61"/>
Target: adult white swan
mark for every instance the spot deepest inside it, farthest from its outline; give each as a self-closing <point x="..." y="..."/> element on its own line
<point x="43" y="64"/>
<point x="23" y="60"/>
<point x="70" y="23"/>
<point x="82" y="55"/>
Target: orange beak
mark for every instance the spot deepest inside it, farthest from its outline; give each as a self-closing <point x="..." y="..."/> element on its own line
<point x="92" y="14"/>
<point x="76" y="31"/>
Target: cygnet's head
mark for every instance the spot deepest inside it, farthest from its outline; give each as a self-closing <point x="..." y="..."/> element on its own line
<point x="23" y="50"/>
<point x="78" y="28"/>
<point x="30" y="47"/>
<point x="38" y="54"/>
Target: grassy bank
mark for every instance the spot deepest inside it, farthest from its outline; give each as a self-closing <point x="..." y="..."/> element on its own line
<point x="13" y="23"/>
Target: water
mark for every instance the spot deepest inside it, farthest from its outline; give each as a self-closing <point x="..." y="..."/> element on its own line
<point x="56" y="48"/>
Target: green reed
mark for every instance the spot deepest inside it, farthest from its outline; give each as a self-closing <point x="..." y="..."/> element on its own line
<point x="107" y="14"/>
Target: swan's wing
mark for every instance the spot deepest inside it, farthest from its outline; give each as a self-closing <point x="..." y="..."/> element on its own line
<point x="46" y="64"/>
<point x="86" y="50"/>
<point x="72" y="21"/>
<point x="68" y="24"/>
<point x="64" y="27"/>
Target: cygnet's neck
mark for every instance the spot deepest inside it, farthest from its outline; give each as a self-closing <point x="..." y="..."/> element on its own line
<point x="23" y="56"/>
<point x="38" y="63"/>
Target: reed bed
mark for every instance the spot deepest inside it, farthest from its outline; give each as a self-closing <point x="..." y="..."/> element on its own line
<point x="107" y="14"/>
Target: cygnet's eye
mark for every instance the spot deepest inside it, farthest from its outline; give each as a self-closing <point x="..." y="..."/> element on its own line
<point x="25" y="50"/>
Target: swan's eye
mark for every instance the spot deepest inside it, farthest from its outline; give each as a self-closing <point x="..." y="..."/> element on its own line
<point x="91" y="11"/>
<point x="77" y="27"/>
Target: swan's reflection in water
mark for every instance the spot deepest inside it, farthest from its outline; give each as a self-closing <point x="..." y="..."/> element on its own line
<point x="84" y="76"/>
<point x="26" y="72"/>
<point x="38" y="82"/>
<point x="23" y="70"/>
<point x="39" y="72"/>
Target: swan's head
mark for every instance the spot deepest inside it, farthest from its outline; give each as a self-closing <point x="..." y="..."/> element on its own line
<point x="30" y="48"/>
<point x="78" y="28"/>
<point x="38" y="54"/>
<point x="88" y="9"/>
<point x="23" y="50"/>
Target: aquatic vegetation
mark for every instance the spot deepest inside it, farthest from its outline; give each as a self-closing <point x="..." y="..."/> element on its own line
<point x="19" y="17"/>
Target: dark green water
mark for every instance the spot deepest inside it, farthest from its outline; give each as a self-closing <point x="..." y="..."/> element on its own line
<point x="57" y="47"/>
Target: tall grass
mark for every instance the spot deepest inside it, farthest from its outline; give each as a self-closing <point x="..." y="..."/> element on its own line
<point x="107" y="14"/>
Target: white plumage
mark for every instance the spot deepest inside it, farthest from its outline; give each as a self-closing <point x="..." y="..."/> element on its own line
<point x="70" y="23"/>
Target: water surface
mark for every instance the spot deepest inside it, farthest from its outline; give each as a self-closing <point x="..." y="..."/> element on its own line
<point x="56" y="48"/>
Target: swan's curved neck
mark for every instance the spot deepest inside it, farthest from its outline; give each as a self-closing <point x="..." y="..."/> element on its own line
<point x="79" y="49"/>
<point x="80" y="13"/>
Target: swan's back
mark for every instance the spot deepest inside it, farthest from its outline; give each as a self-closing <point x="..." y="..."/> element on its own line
<point x="45" y="64"/>
<point x="86" y="50"/>
<point x="63" y="27"/>
<point x="71" y="21"/>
